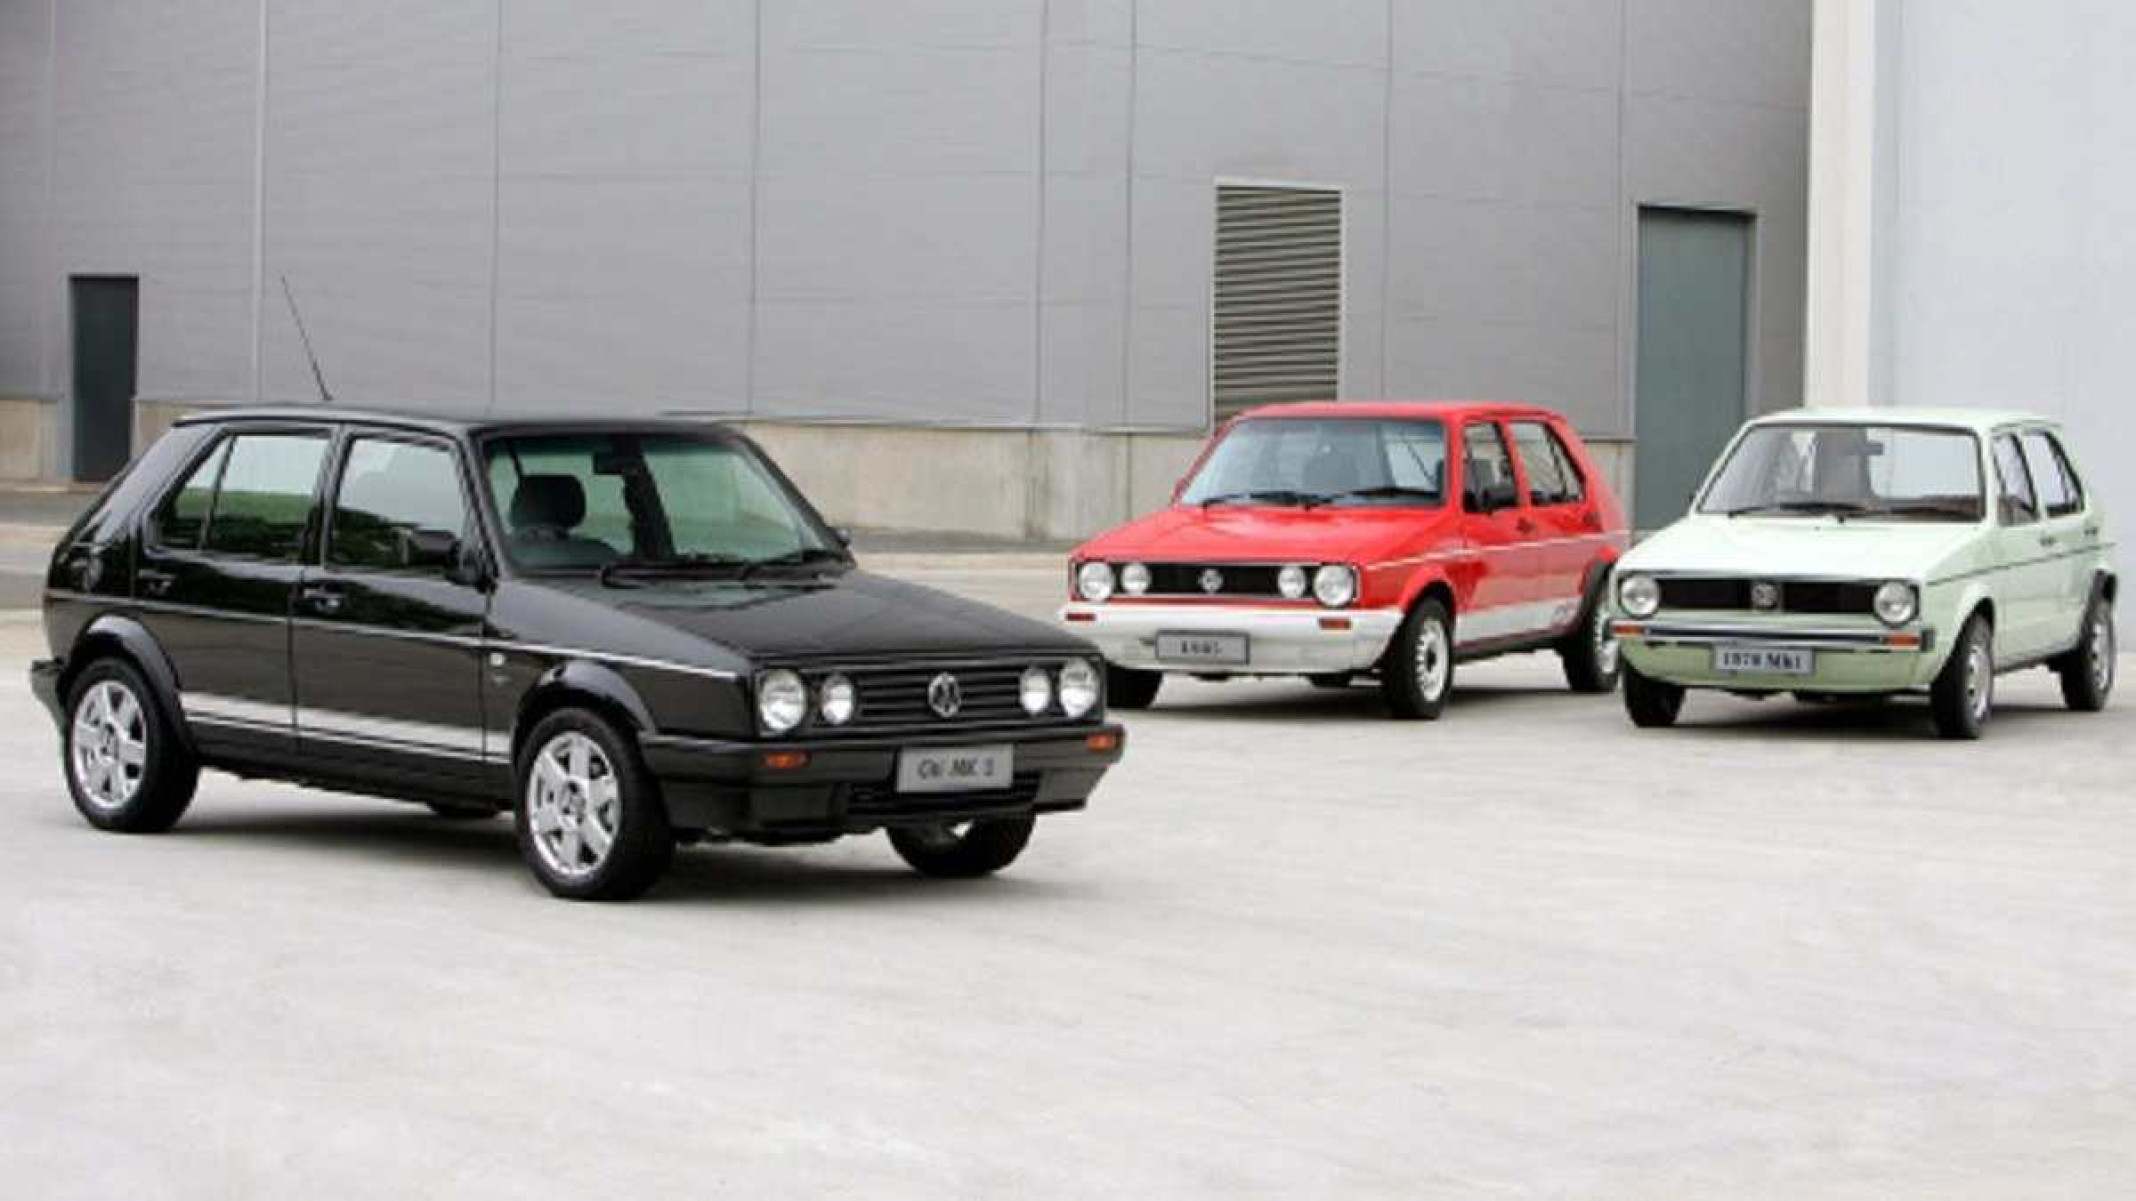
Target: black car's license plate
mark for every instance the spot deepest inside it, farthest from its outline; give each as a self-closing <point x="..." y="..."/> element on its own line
<point x="955" y="768"/>
<point x="1222" y="649"/>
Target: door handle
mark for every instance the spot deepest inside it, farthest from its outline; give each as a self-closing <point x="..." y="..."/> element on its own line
<point x="154" y="581"/>
<point x="324" y="597"/>
<point x="1524" y="525"/>
<point x="2048" y="539"/>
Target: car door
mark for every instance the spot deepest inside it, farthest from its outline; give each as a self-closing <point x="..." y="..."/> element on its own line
<point x="2025" y="580"/>
<point x="2067" y="534"/>
<point x="1562" y="520"/>
<point x="219" y="557"/>
<point x="1500" y="533"/>
<point x="388" y="625"/>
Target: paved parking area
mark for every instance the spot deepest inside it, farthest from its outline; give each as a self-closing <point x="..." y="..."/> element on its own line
<point x="1294" y="950"/>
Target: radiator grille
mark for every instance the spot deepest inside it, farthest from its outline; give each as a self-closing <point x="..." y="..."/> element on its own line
<point x="1796" y="596"/>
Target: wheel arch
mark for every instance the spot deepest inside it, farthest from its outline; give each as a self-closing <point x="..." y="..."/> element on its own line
<point x="1431" y="584"/>
<point x="115" y="635"/>
<point x="581" y="683"/>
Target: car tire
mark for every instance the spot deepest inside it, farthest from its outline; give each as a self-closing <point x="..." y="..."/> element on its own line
<point x="1593" y="661"/>
<point x="580" y="784"/>
<point x="1332" y="681"/>
<point x="1131" y="687"/>
<point x="1963" y="695"/>
<point x="2088" y="671"/>
<point x="125" y="766"/>
<point x="947" y="851"/>
<point x="1418" y="671"/>
<point x="1652" y="704"/>
<point x="461" y="813"/>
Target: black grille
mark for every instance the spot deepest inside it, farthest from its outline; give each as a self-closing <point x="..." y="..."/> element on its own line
<point x="880" y="802"/>
<point x="1796" y="596"/>
<point x="896" y="698"/>
<point x="1240" y="579"/>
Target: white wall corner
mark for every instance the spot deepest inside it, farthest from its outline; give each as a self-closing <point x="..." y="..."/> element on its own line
<point x="1853" y="129"/>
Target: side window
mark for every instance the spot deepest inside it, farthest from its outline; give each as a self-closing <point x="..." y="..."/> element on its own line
<point x="2060" y="494"/>
<point x="562" y="468"/>
<point x="1416" y="456"/>
<point x="184" y="513"/>
<point x="1539" y="458"/>
<point x="1568" y="469"/>
<point x="2016" y="504"/>
<point x="1489" y="482"/>
<point x="399" y="507"/>
<point x="266" y="495"/>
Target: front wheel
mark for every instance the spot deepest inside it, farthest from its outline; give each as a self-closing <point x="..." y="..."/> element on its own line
<point x="962" y="851"/>
<point x="1964" y="692"/>
<point x="2088" y="672"/>
<point x="1652" y="704"/>
<point x="1418" y="670"/>
<point x="125" y="767"/>
<point x="590" y="819"/>
<point x="1130" y="687"/>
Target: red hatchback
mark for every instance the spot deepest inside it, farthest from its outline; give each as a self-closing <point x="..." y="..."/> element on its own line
<point x="1333" y="540"/>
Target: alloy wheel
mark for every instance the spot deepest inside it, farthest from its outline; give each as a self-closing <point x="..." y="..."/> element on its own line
<point x="574" y="805"/>
<point x="110" y="751"/>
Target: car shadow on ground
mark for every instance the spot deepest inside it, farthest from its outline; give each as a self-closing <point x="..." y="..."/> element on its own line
<point x="1268" y="703"/>
<point x="1904" y="719"/>
<point x="723" y="872"/>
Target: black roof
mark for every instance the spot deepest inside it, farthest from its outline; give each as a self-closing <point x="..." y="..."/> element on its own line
<point x="446" y="420"/>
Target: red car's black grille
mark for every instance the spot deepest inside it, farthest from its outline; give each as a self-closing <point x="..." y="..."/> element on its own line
<point x="1234" y="579"/>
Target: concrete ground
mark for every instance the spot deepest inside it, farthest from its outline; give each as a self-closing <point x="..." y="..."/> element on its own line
<point x="1294" y="950"/>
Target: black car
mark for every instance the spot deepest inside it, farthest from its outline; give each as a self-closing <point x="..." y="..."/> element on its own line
<point x="632" y="634"/>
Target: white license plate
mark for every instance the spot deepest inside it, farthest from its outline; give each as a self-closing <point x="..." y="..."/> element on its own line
<point x="1763" y="661"/>
<point x="1227" y="649"/>
<point x="955" y="768"/>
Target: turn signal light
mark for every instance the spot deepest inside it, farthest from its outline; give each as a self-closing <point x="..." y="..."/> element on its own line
<point x="1909" y="641"/>
<point x="1075" y="616"/>
<point x="1626" y="629"/>
<point x="1334" y="623"/>
<point x="1104" y="740"/>
<point x="785" y="760"/>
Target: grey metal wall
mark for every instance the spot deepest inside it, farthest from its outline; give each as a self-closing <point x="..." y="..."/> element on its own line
<point x="957" y="211"/>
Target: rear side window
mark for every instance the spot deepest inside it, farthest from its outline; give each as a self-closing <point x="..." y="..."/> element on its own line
<point x="265" y="498"/>
<point x="2016" y="501"/>
<point x="400" y="507"/>
<point x="2060" y="493"/>
<point x="183" y="516"/>
<point x="1552" y="479"/>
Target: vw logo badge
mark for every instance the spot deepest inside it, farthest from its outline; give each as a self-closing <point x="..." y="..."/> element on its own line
<point x="1765" y="595"/>
<point x="944" y="695"/>
<point x="1212" y="580"/>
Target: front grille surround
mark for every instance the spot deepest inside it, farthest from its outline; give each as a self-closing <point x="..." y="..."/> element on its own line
<point x="893" y="696"/>
<point x="1733" y="594"/>
<point x="1180" y="580"/>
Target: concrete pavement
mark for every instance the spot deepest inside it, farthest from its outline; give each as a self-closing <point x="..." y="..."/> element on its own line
<point x="1293" y="950"/>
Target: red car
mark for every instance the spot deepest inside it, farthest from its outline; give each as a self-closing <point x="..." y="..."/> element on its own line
<point x="1333" y="540"/>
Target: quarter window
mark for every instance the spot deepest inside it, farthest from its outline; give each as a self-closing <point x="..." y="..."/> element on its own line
<point x="400" y="507"/>
<point x="2016" y="502"/>
<point x="184" y="513"/>
<point x="265" y="499"/>
<point x="2060" y="493"/>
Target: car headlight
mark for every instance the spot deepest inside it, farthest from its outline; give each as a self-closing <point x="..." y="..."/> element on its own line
<point x="1035" y="690"/>
<point x="782" y="700"/>
<point x="1291" y="582"/>
<point x="1640" y="595"/>
<point x="1896" y="602"/>
<point x="1335" y="585"/>
<point x="836" y="700"/>
<point x="1079" y="687"/>
<point x="1094" y="581"/>
<point x="1134" y="579"/>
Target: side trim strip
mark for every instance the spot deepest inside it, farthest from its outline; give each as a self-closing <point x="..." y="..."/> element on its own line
<point x="1511" y="621"/>
<point x="239" y="710"/>
<point x="530" y="648"/>
<point x="330" y="723"/>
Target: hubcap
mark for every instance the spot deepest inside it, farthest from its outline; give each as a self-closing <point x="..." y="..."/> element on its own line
<point x="574" y="805"/>
<point x="1432" y="660"/>
<point x="1605" y="643"/>
<point x="2102" y="651"/>
<point x="110" y="745"/>
<point x="1979" y="679"/>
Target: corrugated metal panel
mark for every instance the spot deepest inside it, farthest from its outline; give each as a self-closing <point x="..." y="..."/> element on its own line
<point x="1278" y="323"/>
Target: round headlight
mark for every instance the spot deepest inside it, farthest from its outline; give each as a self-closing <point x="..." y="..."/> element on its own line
<point x="1896" y="602"/>
<point x="1094" y="581"/>
<point x="1079" y="687"/>
<point x="1640" y="595"/>
<point x="1134" y="579"/>
<point x="836" y="700"/>
<point x="1335" y="585"/>
<point x="1035" y="690"/>
<point x="1291" y="582"/>
<point x="782" y="700"/>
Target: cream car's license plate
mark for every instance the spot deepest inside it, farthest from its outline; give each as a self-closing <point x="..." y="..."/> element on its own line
<point x="955" y="768"/>
<point x="1220" y="649"/>
<point x="1763" y="661"/>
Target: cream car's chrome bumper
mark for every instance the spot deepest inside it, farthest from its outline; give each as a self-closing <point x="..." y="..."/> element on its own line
<point x="1279" y="641"/>
<point x="1911" y="640"/>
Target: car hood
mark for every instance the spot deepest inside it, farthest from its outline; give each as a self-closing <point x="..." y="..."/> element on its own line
<point x="1239" y="533"/>
<point x="848" y="615"/>
<point x="1801" y="546"/>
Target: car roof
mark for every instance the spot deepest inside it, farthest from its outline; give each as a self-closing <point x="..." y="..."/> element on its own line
<point x="1445" y="410"/>
<point x="1977" y="420"/>
<point x="445" y="420"/>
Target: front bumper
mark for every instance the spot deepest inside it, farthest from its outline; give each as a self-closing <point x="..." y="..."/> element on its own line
<point x="848" y="785"/>
<point x="44" y="685"/>
<point x="1846" y="658"/>
<point x="1279" y="641"/>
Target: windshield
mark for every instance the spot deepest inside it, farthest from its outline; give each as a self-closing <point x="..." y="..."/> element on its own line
<point x="1851" y="471"/>
<point x="1341" y="461"/>
<point x="588" y="501"/>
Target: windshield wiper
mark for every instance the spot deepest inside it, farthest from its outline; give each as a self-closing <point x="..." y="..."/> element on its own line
<point x="1956" y="511"/>
<point x="1380" y="491"/>
<point x="792" y="558"/>
<point x="668" y="565"/>
<point x="1277" y="496"/>
<point x="1840" y="508"/>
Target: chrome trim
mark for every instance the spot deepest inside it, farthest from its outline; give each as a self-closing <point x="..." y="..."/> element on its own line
<point x="371" y="631"/>
<point x="156" y="606"/>
<point x="331" y="723"/>
<point x="531" y="648"/>
<point x="1611" y="536"/>
<point x="1869" y="641"/>
<point x="280" y="715"/>
<point x="387" y="744"/>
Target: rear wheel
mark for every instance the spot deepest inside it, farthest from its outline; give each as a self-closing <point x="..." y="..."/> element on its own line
<point x="962" y="850"/>
<point x="1964" y="692"/>
<point x="1652" y="704"/>
<point x="1590" y="652"/>
<point x="2088" y="672"/>
<point x="591" y="823"/>
<point x="125" y="767"/>
<point x="1131" y="688"/>
<point x="1418" y="671"/>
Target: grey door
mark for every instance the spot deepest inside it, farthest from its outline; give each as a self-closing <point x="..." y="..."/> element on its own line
<point x="106" y="313"/>
<point x="1694" y="352"/>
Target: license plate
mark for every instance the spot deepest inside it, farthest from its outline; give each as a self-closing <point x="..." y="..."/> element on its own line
<point x="1202" y="648"/>
<point x="955" y="768"/>
<point x="1763" y="660"/>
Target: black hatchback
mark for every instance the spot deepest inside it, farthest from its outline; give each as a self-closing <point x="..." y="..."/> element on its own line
<point x="631" y="634"/>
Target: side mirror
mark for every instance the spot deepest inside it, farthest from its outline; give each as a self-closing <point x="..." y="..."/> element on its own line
<point x="429" y="548"/>
<point x="468" y="566"/>
<point x="844" y="536"/>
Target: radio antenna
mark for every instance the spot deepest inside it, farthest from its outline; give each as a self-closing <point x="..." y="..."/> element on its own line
<point x="318" y="376"/>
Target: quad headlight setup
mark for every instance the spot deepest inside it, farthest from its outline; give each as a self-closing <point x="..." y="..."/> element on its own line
<point x="1094" y="581"/>
<point x="1292" y="582"/>
<point x="1079" y="688"/>
<point x="784" y="699"/>
<point x="1035" y="690"/>
<point x="1335" y="585"/>
<point x="1896" y="602"/>
<point x="1135" y="579"/>
<point x="837" y="700"/>
<point x="1639" y="595"/>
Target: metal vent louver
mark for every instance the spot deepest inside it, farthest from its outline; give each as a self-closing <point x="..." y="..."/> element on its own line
<point x="1278" y="322"/>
